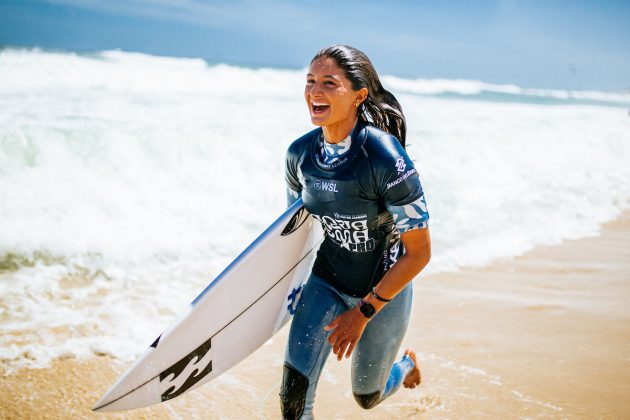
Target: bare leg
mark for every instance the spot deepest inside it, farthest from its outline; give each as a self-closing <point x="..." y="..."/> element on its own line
<point x="413" y="378"/>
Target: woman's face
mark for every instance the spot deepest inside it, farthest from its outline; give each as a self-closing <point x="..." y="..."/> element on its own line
<point x="329" y="95"/>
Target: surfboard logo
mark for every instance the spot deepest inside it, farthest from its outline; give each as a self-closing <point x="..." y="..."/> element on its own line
<point x="187" y="372"/>
<point x="294" y="298"/>
<point x="155" y="343"/>
<point x="296" y="221"/>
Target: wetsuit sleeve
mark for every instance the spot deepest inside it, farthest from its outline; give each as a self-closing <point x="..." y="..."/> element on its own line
<point x="410" y="216"/>
<point x="294" y="188"/>
<point x="401" y="189"/>
<point x="292" y="196"/>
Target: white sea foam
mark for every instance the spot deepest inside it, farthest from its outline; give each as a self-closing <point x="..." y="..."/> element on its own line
<point x="128" y="181"/>
<point x="515" y="93"/>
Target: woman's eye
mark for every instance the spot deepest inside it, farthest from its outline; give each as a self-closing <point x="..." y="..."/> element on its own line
<point x="329" y="83"/>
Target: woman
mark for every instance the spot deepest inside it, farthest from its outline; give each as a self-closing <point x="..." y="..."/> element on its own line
<point x="355" y="177"/>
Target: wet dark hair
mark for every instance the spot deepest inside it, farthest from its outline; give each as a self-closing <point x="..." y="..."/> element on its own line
<point x="380" y="109"/>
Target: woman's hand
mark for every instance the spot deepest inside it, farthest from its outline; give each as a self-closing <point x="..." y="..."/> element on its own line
<point x="347" y="329"/>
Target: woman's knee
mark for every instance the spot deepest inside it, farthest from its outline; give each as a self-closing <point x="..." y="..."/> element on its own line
<point x="293" y="393"/>
<point x="368" y="401"/>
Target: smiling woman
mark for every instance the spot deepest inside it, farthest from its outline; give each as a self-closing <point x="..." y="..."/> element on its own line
<point x="355" y="177"/>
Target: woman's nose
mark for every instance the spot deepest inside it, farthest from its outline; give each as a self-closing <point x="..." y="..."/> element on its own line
<point x="316" y="88"/>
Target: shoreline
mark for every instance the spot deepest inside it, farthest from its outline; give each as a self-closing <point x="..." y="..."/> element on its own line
<point x="545" y="334"/>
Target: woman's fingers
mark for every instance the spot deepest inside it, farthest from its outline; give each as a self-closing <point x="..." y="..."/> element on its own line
<point x="334" y="337"/>
<point x="335" y="340"/>
<point x="339" y="351"/>
<point x="351" y="348"/>
<point x="345" y="333"/>
<point x="344" y="345"/>
<point x="336" y="333"/>
<point x="332" y="325"/>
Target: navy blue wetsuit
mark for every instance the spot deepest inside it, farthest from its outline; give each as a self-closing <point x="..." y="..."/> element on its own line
<point x="356" y="198"/>
<point x="365" y="191"/>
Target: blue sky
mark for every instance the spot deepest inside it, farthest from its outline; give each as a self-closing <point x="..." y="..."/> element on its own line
<point x="536" y="43"/>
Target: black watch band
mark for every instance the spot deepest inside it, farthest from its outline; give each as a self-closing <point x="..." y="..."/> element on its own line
<point x="378" y="297"/>
<point x="366" y="309"/>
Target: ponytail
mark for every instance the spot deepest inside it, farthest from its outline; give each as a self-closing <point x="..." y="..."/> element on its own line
<point x="380" y="109"/>
<point x="383" y="111"/>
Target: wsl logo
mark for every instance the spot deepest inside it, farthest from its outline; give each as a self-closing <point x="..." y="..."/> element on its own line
<point x="325" y="186"/>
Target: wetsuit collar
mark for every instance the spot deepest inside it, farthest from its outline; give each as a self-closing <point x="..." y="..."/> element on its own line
<point x="357" y="139"/>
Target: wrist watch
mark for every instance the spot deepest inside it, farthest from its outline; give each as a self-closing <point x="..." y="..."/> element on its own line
<point x="366" y="309"/>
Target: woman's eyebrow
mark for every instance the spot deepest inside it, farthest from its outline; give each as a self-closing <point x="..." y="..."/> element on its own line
<point x="332" y="76"/>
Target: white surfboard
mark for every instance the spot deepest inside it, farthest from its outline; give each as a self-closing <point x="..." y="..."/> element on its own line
<point x="237" y="313"/>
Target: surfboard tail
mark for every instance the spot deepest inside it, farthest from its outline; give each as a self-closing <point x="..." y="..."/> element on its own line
<point x="117" y="398"/>
<point x="147" y="393"/>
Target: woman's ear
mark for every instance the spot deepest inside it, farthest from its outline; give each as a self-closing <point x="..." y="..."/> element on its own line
<point x="362" y="95"/>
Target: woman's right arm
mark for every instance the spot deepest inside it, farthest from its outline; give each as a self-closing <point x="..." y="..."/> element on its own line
<point x="294" y="187"/>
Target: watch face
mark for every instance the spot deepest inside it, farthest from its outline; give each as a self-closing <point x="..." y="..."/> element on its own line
<point x="366" y="309"/>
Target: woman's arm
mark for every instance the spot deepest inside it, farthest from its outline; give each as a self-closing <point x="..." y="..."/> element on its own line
<point x="417" y="255"/>
<point x="348" y="327"/>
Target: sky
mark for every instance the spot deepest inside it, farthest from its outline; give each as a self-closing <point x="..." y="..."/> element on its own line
<point x="578" y="45"/>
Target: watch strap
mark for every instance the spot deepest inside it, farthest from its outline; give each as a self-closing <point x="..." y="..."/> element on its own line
<point x="378" y="297"/>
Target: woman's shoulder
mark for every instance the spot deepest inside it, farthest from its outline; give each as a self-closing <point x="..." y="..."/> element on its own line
<point x="381" y="145"/>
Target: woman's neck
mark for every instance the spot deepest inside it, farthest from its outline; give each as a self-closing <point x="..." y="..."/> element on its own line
<point x="339" y="131"/>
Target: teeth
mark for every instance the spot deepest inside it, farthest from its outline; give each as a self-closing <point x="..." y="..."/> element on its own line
<point x="318" y="104"/>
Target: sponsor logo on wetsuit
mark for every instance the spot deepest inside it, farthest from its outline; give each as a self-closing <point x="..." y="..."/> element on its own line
<point x="352" y="235"/>
<point x="330" y="165"/>
<point x="325" y="185"/>
<point x="401" y="179"/>
<point x="400" y="165"/>
<point x="390" y="256"/>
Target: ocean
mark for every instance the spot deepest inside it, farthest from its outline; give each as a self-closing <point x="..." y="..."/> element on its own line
<point x="128" y="181"/>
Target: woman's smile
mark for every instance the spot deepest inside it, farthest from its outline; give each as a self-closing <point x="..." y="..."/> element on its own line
<point x="318" y="109"/>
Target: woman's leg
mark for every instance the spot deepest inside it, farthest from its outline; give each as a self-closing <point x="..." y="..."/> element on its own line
<point x="375" y="376"/>
<point x="307" y="348"/>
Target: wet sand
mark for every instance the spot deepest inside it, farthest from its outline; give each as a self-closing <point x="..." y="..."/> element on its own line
<point x="542" y="335"/>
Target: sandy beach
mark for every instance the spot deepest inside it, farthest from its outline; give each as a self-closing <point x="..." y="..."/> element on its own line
<point x="544" y="335"/>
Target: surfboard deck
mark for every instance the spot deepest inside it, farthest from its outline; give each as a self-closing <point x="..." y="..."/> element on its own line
<point x="233" y="316"/>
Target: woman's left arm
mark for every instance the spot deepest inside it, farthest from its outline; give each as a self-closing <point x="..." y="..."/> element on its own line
<point x="417" y="244"/>
<point x="348" y="327"/>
